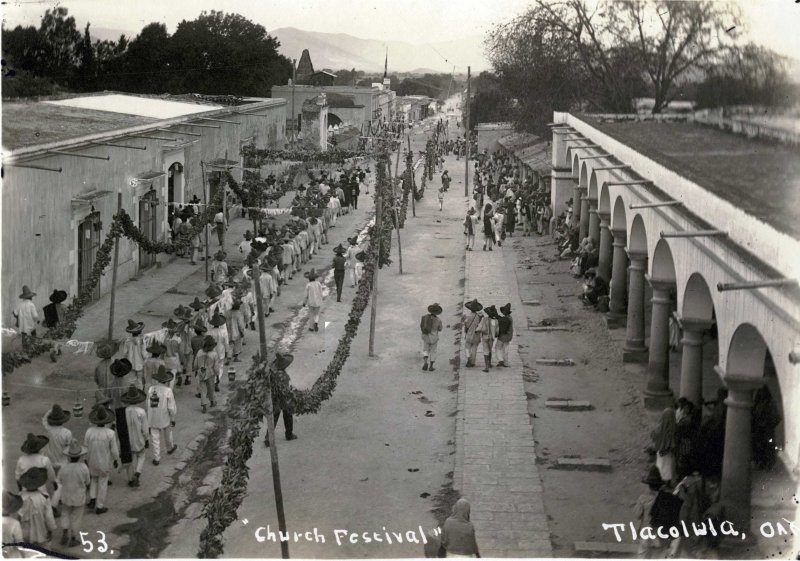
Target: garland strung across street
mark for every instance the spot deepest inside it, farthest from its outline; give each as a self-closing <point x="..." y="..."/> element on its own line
<point x="335" y="156"/>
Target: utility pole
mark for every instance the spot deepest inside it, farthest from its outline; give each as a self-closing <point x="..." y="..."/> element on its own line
<point x="114" y="276"/>
<point x="396" y="209"/>
<point x="273" y="452"/>
<point x="466" y="138"/>
<point x="205" y="206"/>
<point x="413" y="203"/>
<point x="294" y="81"/>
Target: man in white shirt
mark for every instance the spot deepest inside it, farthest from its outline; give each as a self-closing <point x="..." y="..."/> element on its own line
<point x="323" y="188"/>
<point x="245" y="245"/>
<point x="219" y="225"/>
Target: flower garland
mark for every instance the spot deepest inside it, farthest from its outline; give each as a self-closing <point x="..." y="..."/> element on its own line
<point x="408" y="179"/>
<point x="335" y="156"/>
<point x="383" y="189"/>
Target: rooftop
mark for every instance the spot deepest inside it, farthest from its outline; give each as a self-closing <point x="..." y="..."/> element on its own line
<point x="761" y="178"/>
<point x="493" y="126"/>
<point x="518" y="140"/>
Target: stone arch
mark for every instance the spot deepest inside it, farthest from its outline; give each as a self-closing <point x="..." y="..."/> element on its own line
<point x="697" y="300"/>
<point x="637" y="240"/>
<point x="584" y="178"/>
<point x="618" y="219"/>
<point x="576" y="165"/>
<point x="604" y="202"/>
<point x="334" y="119"/>
<point x="662" y="264"/>
<point x="747" y="352"/>
<point x="592" y="193"/>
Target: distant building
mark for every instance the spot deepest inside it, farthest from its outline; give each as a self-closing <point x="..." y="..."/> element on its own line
<point x="490" y="133"/>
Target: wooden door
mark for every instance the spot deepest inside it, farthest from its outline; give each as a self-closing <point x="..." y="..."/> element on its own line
<point x="88" y="244"/>
<point x="147" y="224"/>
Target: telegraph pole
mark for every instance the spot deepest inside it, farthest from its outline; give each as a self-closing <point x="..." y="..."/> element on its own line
<point x="294" y="116"/>
<point x="466" y="138"/>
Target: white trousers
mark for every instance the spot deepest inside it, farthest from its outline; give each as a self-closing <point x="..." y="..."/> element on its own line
<point x="98" y="489"/>
<point x="137" y="463"/>
<point x="501" y="349"/>
<point x="155" y="441"/>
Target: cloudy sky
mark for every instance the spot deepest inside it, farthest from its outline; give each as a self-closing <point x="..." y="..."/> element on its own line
<point x="773" y="23"/>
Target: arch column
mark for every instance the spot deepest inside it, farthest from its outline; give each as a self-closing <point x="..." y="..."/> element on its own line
<point x="736" y="474"/>
<point x="606" y="248"/>
<point x="560" y="189"/>
<point x="634" y="349"/>
<point x="576" y="204"/>
<point x="594" y="222"/>
<point x="583" y="229"/>
<point x="619" y="281"/>
<point x="657" y="395"/>
<point x="692" y="358"/>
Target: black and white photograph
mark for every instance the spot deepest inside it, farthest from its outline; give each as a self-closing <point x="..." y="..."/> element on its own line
<point x="366" y="279"/>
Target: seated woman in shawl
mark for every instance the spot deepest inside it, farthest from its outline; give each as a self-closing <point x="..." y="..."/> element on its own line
<point x="664" y="444"/>
<point x="458" y="534"/>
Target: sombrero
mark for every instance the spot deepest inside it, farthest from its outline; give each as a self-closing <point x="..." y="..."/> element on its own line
<point x="311" y="275"/>
<point x="197" y="304"/>
<point x="435" y="309"/>
<point x="198" y="326"/>
<point x="162" y="375"/>
<point x="133" y="396"/>
<point x="156" y="348"/>
<point x="474" y="305"/>
<point x="120" y="367"/>
<point x="33" y="443"/>
<point x="100" y="415"/>
<point x="180" y="311"/>
<point x="104" y="350"/>
<point x="58" y="416"/>
<point x="134" y="327"/>
<point x="217" y="319"/>
<point x="213" y="291"/>
<point x="506" y="310"/>
<point x="339" y="249"/>
<point x="58" y="296"/>
<point x="353" y="240"/>
<point x="282" y="361"/>
<point x="491" y="311"/>
<point x="11" y="503"/>
<point x="27" y="293"/>
<point x="33" y="478"/>
<point x="361" y="255"/>
<point x="75" y="450"/>
<point x="209" y="344"/>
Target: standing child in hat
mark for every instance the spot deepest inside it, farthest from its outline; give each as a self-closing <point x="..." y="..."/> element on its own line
<point x="339" y="263"/>
<point x="205" y="367"/>
<point x="36" y="514"/>
<point x="134" y="349"/>
<point x="138" y="432"/>
<point x="60" y="437"/>
<point x="351" y="259"/>
<point x="219" y="269"/>
<point x="505" y="331"/>
<point x="430" y="325"/>
<point x="161" y="412"/>
<point x="219" y="331"/>
<point x="73" y="479"/>
<point x="103" y="456"/>
<point x="313" y="298"/>
<point x="153" y="362"/>
<point x="359" y="268"/>
<point x="26" y="316"/>
<point x="32" y="457"/>
<point x="12" y="530"/>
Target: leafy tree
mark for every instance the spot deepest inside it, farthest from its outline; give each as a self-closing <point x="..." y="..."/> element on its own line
<point x="490" y="101"/>
<point x="87" y="70"/>
<point x="144" y="65"/>
<point x="60" y="40"/>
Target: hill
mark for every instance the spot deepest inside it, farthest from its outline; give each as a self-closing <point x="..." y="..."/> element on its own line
<point x="339" y="50"/>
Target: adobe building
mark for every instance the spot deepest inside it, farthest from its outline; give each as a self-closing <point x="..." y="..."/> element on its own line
<point x="66" y="160"/>
<point x="701" y="225"/>
<point x="490" y="133"/>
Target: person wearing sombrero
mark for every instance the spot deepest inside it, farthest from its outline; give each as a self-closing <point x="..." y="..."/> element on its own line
<point x="103" y="455"/>
<point x="315" y="233"/>
<point x="470" y="227"/>
<point x="303" y="242"/>
<point x="219" y="332"/>
<point x="430" y="325"/>
<point x="32" y="457"/>
<point x="643" y="509"/>
<point x="488" y="330"/>
<point x="281" y="380"/>
<point x="289" y="257"/>
<point x="505" y="332"/>
<point x="134" y="349"/>
<point x="236" y="326"/>
<point x="161" y="413"/>
<point x="313" y="298"/>
<point x="172" y="349"/>
<point x="269" y="289"/>
<point x="339" y="264"/>
<point x="73" y="479"/>
<point x="298" y="252"/>
<point x="472" y="319"/>
<point x="12" y="530"/>
<point x="26" y="316"/>
<point x="138" y="431"/>
<point x="36" y="513"/>
<point x="219" y="268"/>
<point x="206" y="363"/>
<point x="60" y="436"/>
<point x="153" y="362"/>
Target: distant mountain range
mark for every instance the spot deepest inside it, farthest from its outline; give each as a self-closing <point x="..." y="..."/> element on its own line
<point x="341" y="51"/>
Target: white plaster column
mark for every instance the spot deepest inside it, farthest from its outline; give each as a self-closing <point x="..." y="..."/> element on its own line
<point x="606" y="248"/>
<point x="619" y="281"/>
<point x="692" y="358"/>
<point x="576" y="203"/>
<point x="594" y="222"/>
<point x="583" y="229"/>
<point x="657" y="395"/>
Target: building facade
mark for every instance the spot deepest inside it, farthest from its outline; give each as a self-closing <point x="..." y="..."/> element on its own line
<point x="66" y="163"/>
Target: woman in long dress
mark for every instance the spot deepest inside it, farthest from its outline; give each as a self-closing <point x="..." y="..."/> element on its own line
<point x="664" y="444"/>
<point x="458" y="534"/>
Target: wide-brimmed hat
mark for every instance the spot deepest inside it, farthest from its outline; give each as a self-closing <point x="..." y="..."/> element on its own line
<point x="311" y="275"/>
<point x="121" y="367"/>
<point x="133" y="396"/>
<point x="33" y="443"/>
<point x="104" y="350"/>
<point x="282" y="361"/>
<point x="209" y="344"/>
<point x="100" y="398"/>
<point x="361" y="255"/>
<point x="75" y="450"/>
<point x="471" y="211"/>
<point x="490" y="311"/>
<point x="170" y="324"/>
<point x="353" y="240"/>
<point x="506" y="310"/>
<point x="248" y="234"/>
<point x="220" y="255"/>
<point x="11" y="503"/>
<point x="58" y="416"/>
<point x="27" y="293"/>
<point x="217" y="319"/>
<point x="134" y="327"/>
<point x="58" y="296"/>
<point x="197" y="304"/>
<point x="33" y="478"/>
<point x="435" y="309"/>
<point x="163" y="375"/>
<point x="156" y="348"/>
<point x="474" y="306"/>
<point x="653" y="477"/>
<point x="339" y="249"/>
<point x="213" y="291"/>
<point x="180" y="311"/>
<point x="100" y="415"/>
<point x="199" y="326"/>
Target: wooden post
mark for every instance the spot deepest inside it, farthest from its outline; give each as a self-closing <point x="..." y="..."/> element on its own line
<point x="396" y="210"/>
<point x="205" y="226"/>
<point x="466" y="138"/>
<point x="377" y="242"/>
<point x="273" y="452"/>
<point x="413" y="200"/>
<point x="224" y="203"/>
<point x="114" y="277"/>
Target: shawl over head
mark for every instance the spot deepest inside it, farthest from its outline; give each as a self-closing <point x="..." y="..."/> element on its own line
<point x="458" y="535"/>
<point x="665" y="433"/>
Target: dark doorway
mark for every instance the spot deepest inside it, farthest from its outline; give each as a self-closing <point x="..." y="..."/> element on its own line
<point x="88" y="244"/>
<point x="147" y="225"/>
